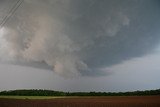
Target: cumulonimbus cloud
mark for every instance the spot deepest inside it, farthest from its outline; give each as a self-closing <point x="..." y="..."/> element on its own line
<point x="73" y="40"/>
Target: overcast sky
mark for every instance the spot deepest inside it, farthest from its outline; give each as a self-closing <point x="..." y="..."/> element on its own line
<point x="80" y="45"/>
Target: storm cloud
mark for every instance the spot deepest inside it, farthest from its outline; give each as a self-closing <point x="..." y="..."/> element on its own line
<point x="79" y="37"/>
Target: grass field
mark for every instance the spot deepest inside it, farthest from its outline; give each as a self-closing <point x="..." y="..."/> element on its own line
<point x="32" y="97"/>
<point x="109" y="101"/>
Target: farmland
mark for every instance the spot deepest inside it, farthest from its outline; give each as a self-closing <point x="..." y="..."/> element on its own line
<point x="106" y="101"/>
<point x="51" y="98"/>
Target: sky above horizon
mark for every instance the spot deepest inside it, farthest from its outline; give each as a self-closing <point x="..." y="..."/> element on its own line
<point x="80" y="45"/>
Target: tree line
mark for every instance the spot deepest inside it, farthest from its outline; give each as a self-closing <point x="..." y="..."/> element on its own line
<point x="40" y="92"/>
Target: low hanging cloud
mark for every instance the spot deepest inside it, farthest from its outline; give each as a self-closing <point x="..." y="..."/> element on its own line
<point x="74" y="37"/>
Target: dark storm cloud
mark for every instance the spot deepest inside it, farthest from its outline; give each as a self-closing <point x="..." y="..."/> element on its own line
<point x="80" y="36"/>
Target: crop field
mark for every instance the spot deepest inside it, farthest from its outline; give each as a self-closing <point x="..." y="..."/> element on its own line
<point x="115" y="101"/>
<point x="32" y="97"/>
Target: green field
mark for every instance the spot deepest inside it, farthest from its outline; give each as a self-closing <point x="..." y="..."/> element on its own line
<point x="33" y="97"/>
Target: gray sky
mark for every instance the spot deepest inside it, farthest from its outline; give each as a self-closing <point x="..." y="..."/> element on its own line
<point x="80" y="45"/>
